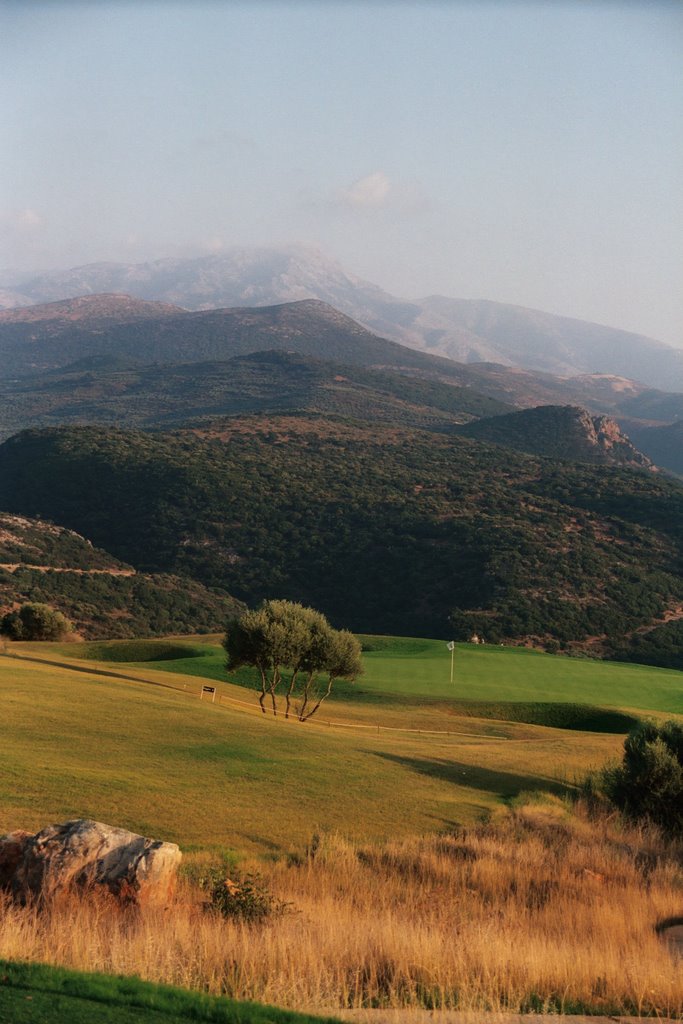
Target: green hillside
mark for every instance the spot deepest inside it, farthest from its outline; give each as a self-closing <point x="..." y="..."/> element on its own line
<point x="309" y="327"/>
<point x="384" y="529"/>
<point x="560" y="432"/>
<point x="104" y="390"/>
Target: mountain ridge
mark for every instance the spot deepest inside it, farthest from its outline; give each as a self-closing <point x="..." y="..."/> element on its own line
<point x="107" y="390"/>
<point x="91" y="368"/>
<point x="465" y="329"/>
<point x="307" y="325"/>
<point x="106" y="307"/>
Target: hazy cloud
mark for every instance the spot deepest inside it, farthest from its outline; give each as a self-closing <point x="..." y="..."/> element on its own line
<point x="21" y="221"/>
<point x="370" y="192"/>
<point x="378" y="192"/>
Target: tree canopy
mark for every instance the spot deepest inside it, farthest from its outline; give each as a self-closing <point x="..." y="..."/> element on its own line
<point x="35" y="621"/>
<point x="384" y="529"/>
<point x="296" y="652"/>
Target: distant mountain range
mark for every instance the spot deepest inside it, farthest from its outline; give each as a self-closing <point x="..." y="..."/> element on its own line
<point x="460" y="329"/>
<point x="310" y="458"/>
<point x="128" y="362"/>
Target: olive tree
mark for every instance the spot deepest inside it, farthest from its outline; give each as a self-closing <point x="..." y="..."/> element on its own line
<point x="293" y="648"/>
<point x="337" y="654"/>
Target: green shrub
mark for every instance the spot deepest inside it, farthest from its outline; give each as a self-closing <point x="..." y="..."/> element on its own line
<point x="649" y="781"/>
<point x="244" y="897"/>
<point x="35" y="621"/>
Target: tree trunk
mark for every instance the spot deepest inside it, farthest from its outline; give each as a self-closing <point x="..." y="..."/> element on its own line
<point x="327" y="692"/>
<point x="262" y="695"/>
<point x="290" y="691"/>
<point x="306" y="694"/>
<point x="273" y="684"/>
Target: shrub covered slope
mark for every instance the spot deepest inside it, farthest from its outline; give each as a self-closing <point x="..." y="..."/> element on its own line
<point x="101" y="595"/>
<point x="385" y="530"/>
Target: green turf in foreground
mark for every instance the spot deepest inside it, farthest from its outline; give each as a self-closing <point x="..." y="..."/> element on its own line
<point x="39" y="994"/>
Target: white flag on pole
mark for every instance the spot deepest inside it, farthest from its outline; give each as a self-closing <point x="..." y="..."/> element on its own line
<point x="451" y="645"/>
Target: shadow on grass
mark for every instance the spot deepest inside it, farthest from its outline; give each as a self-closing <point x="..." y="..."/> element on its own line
<point x="504" y="784"/>
<point x="262" y="841"/>
<point x="554" y="715"/>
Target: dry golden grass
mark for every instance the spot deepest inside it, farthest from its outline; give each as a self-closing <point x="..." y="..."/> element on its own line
<point x="542" y="909"/>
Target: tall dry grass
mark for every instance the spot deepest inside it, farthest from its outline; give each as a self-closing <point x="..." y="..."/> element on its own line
<point x="541" y="910"/>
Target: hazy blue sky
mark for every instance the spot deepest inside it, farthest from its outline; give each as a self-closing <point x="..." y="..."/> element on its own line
<point x="522" y="152"/>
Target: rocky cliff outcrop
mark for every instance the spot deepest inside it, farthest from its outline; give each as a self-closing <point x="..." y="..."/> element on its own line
<point x="561" y="432"/>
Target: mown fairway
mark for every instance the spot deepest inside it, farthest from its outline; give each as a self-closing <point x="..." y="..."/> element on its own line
<point x="160" y="762"/>
<point x="515" y="674"/>
<point x="138" y="749"/>
<point x="405" y="667"/>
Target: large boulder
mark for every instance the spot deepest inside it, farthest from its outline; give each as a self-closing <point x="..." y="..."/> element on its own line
<point x="85" y="854"/>
<point x="12" y="848"/>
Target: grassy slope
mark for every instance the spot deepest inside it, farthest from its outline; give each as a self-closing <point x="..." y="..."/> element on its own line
<point x="160" y="762"/>
<point x="38" y="994"/>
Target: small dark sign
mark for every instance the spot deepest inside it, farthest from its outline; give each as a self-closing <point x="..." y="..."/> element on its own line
<point x="211" y="690"/>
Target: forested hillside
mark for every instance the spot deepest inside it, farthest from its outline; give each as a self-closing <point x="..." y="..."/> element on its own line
<point x="108" y="390"/>
<point x="560" y="432"/>
<point x="384" y="529"/>
<point x="101" y="595"/>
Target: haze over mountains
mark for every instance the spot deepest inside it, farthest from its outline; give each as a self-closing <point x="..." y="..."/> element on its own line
<point x="461" y="329"/>
<point x="131" y="362"/>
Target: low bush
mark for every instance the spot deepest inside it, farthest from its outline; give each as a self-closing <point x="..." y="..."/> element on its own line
<point x="242" y="897"/>
<point x="648" y="783"/>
